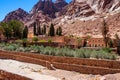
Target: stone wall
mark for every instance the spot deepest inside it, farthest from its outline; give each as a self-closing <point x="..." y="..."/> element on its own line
<point x="9" y="76"/>
<point x="86" y="66"/>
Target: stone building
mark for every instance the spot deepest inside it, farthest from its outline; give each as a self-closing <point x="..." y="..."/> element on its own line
<point x="95" y="42"/>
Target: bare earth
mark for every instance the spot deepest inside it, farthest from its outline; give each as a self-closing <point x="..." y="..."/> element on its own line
<point x="37" y="72"/>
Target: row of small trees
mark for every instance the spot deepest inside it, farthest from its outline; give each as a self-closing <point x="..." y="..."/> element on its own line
<point x="15" y="29"/>
<point x="52" y="31"/>
<point x="37" y="30"/>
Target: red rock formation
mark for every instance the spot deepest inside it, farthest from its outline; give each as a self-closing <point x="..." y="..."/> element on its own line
<point x="60" y="4"/>
<point x="18" y="14"/>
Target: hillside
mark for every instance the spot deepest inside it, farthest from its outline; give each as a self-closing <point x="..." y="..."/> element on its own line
<point x="79" y="17"/>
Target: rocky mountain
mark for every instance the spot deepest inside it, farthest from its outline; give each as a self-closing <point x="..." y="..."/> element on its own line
<point x="84" y="17"/>
<point x="77" y="9"/>
<point x="42" y="9"/>
<point x="45" y="10"/>
<point x="18" y="14"/>
<point x="79" y="17"/>
<point x="47" y="7"/>
<point x="90" y="7"/>
<point x="100" y="6"/>
<point x="60" y="4"/>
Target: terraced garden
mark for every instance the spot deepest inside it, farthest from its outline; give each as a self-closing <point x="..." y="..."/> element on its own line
<point x="84" y="61"/>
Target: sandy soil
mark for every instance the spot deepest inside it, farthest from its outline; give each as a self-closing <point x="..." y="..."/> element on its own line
<point x="32" y="71"/>
<point x="37" y="72"/>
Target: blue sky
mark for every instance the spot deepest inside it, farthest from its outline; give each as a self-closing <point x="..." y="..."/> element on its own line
<point x="7" y="6"/>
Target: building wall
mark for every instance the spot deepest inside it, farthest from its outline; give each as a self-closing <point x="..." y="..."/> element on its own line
<point x="59" y="39"/>
<point x="95" y="42"/>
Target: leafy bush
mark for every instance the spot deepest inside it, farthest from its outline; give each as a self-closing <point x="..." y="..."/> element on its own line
<point x="42" y="41"/>
<point x="107" y="50"/>
<point x="11" y="47"/>
<point x="35" y="39"/>
<point x="50" y="41"/>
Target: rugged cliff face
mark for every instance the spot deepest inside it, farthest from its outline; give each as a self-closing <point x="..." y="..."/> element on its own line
<point x="100" y="6"/>
<point x="84" y="17"/>
<point x="60" y="4"/>
<point x="18" y="14"/>
<point x="46" y="10"/>
<point x="79" y="17"/>
<point x="77" y="9"/>
<point x="89" y="7"/>
<point x="47" y="7"/>
<point x="42" y="9"/>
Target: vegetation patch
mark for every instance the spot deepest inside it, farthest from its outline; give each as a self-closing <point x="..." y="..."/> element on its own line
<point x="104" y="53"/>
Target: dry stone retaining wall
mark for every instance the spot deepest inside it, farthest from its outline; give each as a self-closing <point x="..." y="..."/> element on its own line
<point x="9" y="76"/>
<point x="87" y="66"/>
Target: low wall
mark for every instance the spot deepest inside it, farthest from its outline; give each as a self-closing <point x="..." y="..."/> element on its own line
<point x="85" y="69"/>
<point x="79" y="61"/>
<point x="86" y="66"/>
<point x="9" y="76"/>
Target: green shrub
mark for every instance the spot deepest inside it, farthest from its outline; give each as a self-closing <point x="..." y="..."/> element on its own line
<point x="11" y="47"/>
<point x="35" y="39"/>
<point x="65" y="51"/>
<point x="50" y="41"/>
<point x="43" y="41"/>
<point x="107" y="50"/>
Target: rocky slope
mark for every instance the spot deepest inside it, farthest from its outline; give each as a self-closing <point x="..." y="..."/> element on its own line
<point x="77" y="9"/>
<point x="89" y="25"/>
<point x="60" y="4"/>
<point x="84" y="17"/>
<point x="100" y="6"/>
<point x="90" y="7"/>
<point x="18" y="14"/>
<point x="46" y="6"/>
<point x="79" y="17"/>
<point x="42" y="10"/>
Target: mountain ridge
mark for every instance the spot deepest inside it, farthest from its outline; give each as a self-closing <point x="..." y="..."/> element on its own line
<point x="73" y="14"/>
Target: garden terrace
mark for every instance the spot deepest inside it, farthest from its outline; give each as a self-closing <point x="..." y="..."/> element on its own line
<point x="87" y="66"/>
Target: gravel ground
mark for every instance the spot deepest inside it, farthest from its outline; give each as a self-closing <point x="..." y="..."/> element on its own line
<point x="37" y="72"/>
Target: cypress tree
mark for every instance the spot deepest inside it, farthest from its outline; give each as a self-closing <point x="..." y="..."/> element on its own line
<point x="105" y="30"/>
<point x="34" y="29"/>
<point x="25" y="32"/>
<point x="39" y="30"/>
<point x="44" y="29"/>
<point x="51" y="30"/>
<point x="59" y="31"/>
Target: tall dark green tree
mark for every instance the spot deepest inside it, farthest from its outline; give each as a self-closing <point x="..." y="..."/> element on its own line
<point x="105" y="30"/>
<point x="117" y="43"/>
<point x="39" y="30"/>
<point x="44" y="29"/>
<point x="51" y="30"/>
<point x="59" y="31"/>
<point x="25" y="33"/>
<point x="35" y="28"/>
